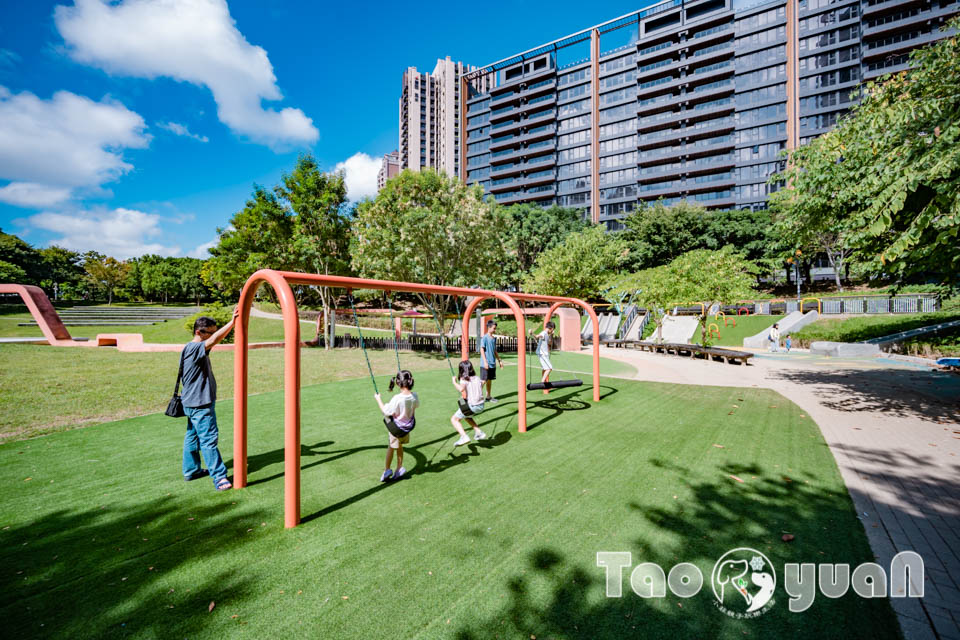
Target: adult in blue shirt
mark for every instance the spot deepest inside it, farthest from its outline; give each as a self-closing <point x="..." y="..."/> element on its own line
<point x="489" y="359"/>
<point x="199" y="399"/>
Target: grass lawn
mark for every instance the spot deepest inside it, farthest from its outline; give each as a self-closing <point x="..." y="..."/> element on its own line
<point x="100" y="538"/>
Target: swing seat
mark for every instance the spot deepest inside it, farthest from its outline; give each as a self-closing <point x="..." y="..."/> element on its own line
<point x="559" y="384"/>
<point x="394" y="429"/>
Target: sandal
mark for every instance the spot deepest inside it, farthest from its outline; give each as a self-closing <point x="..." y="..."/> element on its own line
<point x="223" y="485"/>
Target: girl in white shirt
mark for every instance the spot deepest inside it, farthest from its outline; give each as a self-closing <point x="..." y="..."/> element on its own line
<point x="471" y="388"/>
<point x="401" y="408"/>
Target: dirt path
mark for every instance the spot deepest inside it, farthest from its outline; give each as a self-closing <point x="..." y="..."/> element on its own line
<point x="894" y="429"/>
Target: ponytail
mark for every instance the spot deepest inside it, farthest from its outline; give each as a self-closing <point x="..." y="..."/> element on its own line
<point x="403" y="379"/>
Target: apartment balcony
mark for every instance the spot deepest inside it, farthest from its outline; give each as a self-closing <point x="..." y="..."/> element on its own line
<point x="504" y="97"/>
<point x="711" y="54"/>
<point x="919" y="40"/>
<point x="711" y="72"/>
<point x="545" y="176"/>
<point x="663" y="49"/>
<point x="894" y="66"/>
<point x="707" y="164"/>
<point x="708" y="147"/>
<point x="724" y="182"/>
<point x="660" y="120"/>
<point x="539" y="133"/>
<point x="503" y="113"/>
<point x="888" y="25"/>
<point x="662" y="137"/>
<point x="710" y="109"/>
<point x="547" y="85"/>
<point x="674" y="188"/>
<point x="507" y="154"/>
<point x="658" y="103"/>
<point x="498" y="144"/>
<point x="660" y="172"/>
<point x="659" y="67"/>
<point x="712" y="35"/>
<point x="540" y="147"/>
<point x="661" y="85"/>
<point x="707" y="92"/>
<point x="540" y="102"/>
<point x="726" y="125"/>
<point x="496" y="186"/>
<point x="660" y="154"/>
<point x="533" y="120"/>
<point x="504" y="170"/>
<point x="507" y="126"/>
<point x="867" y="9"/>
<point x="541" y="162"/>
<point x="510" y="197"/>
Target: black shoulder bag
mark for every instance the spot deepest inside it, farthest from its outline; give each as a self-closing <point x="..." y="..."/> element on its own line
<point x="175" y="406"/>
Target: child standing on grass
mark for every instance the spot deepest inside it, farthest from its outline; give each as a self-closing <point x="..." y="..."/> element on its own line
<point x="401" y="408"/>
<point x="489" y="359"/>
<point x="543" y="352"/>
<point x="471" y="388"/>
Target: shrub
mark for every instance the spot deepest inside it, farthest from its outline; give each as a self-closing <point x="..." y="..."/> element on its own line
<point x="221" y="313"/>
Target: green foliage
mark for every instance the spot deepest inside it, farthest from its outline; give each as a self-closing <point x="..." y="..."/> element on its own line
<point x="657" y="234"/>
<point x="857" y="329"/>
<point x="887" y="177"/>
<point x="104" y="273"/>
<point x="11" y="273"/>
<point x="159" y="279"/>
<point x="721" y="276"/>
<point x="532" y="229"/>
<point x="16" y="252"/>
<point x="580" y="266"/>
<point x="63" y="268"/>
<point x="427" y="227"/>
<point x="219" y="312"/>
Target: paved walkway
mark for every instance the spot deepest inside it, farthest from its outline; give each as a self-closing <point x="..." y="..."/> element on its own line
<point x="894" y="429"/>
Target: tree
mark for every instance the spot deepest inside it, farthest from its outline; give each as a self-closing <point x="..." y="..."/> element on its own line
<point x="63" y="270"/>
<point x="160" y="279"/>
<point x="11" y="273"/>
<point x="15" y="251"/>
<point x="105" y="273"/>
<point x="710" y="277"/>
<point x="190" y="281"/>
<point x="427" y="227"/>
<point x="321" y="230"/>
<point x="259" y="237"/>
<point x="893" y="166"/>
<point x="580" y="266"/>
<point x="532" y="229"/>
<point x="657" y="234"/>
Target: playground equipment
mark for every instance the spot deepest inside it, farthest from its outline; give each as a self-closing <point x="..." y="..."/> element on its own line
<point x="281" y="282"/>
<point x="713" y="330"/>
<point x="721" y="314"/>
<point x="568" y="329"/>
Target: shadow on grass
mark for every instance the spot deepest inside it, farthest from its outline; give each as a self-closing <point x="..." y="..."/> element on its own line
<point x="553" y="596"/>
<point x="922" y="395"/>
<point x="106" y="572"/>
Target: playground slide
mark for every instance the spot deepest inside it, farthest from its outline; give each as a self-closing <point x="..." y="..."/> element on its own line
<point x="791" y="324"/>
<point x="906" y="335"/>
<point x="633" y="331"/>
<point x="759" y="341"/>
<point x="679" y="329"/>
<point x="609" y="324"/>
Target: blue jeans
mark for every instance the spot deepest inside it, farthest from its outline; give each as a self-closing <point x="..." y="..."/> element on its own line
<point x="202" y="437"/>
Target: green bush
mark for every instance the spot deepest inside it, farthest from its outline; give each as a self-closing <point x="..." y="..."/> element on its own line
<point x="221" y="313"/>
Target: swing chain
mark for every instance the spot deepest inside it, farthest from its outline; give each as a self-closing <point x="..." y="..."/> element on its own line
<point x="363" y="348"/>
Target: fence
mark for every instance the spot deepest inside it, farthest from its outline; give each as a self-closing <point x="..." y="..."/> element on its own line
<point x="431" y="344"/>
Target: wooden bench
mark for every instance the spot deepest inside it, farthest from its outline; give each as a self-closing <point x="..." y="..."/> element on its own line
<point x="696" y="351"/>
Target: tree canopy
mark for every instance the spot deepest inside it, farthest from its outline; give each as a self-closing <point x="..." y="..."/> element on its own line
<point x="580" y="266"/>
<point x="532" y="229"/>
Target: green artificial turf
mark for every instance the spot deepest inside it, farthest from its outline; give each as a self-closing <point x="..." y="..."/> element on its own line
<point x="101" y="538"/>
<point x="732" y="336"/>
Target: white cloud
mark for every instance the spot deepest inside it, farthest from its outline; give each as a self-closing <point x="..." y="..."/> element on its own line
<point x="192" y="41"/>
<point x="48" y="148"/>
<point x="202" y="251"/>
<point x="361" y="175"/>
<point x="121" y="233"/>
<point x="178" y="129"/>
<point x="33" y="195"/>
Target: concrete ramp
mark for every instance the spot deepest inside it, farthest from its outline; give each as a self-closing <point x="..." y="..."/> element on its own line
<point x="679" y="329"/>
<point x="633" y="331"/>
<point x="759" y="341"/>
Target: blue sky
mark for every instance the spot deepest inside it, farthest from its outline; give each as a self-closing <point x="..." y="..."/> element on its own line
<point x="141" y="125"/>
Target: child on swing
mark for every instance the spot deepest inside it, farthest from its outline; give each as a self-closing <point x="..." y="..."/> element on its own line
<point x="401" y="408"/>
<point x="543" y="352"/>
<point x="470" y="387"/>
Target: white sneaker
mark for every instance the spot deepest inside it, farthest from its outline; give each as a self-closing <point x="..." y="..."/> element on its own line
<point x="400" y="473"/>
<point x="461" y="441"/>
<point x="386" y="475"/>
<point x="491" y="400"/>
<point x="479" y="435"/>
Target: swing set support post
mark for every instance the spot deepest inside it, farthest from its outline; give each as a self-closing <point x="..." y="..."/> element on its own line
<point x="558" y="301"/>
<point x="281" y="282"/>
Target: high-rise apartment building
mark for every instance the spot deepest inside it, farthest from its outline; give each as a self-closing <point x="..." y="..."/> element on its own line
<point x="389" y="167"/>
<point x="686" y="99"/>
<point x="430" y="116"/>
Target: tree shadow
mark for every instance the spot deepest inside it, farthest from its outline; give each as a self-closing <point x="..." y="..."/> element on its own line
<point x="105" y="571"/>
<point x="553" y="596"/>
<point x="931" y="396"/>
